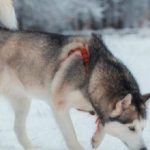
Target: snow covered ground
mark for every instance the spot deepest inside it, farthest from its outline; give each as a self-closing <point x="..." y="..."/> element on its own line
<point x="134" y="50"/>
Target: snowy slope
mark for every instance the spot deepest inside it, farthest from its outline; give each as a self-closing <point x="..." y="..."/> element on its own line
<point x="134" y="51"/>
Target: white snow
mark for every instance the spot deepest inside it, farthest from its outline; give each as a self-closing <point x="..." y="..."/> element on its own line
<point x="134" y="51"/>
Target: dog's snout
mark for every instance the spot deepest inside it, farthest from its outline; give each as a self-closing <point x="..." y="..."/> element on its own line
<point x="144" y="148"/>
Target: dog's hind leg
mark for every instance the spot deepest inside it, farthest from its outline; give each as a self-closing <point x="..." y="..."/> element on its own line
<point x="13" y="89"/>
<point x="21" y="106"/>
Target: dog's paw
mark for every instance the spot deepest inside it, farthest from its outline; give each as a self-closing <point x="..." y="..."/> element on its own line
<point x="33" y="148"/>
<point x="76" y="147"/>
<point x="94" y="142"/>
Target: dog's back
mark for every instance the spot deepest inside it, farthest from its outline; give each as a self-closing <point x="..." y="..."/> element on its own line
<point x="31" y="57"/>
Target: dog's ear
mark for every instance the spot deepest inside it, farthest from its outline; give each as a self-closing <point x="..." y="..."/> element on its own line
<point x="98" y="43"/>
<point x="95" y="43"/>
<point x="97" y="49"/>
<point x="94" y="50"/>
<point x="145" y="97"/>
<point x="121" y="105"/>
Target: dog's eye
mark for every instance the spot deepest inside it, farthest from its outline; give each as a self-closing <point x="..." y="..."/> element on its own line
<point x="132" y="129"/>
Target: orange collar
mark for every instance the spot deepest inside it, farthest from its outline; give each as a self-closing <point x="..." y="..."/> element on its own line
<point x="84" y="55"/>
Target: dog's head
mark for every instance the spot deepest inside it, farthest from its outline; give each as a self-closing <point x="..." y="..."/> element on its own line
<point x="127" y="121"/>
<point x="115" y="95"/>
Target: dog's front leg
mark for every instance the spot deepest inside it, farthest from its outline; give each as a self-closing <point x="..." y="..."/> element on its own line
<point x="62" y="116"/>
<point x="64" y="121"/>
<point x="98" y="135"/>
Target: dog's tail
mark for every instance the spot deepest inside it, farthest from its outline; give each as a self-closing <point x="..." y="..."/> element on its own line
<point x="7" y="14"/>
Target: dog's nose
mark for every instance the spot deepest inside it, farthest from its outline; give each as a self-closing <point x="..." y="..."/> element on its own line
<point x="144" y="148"/>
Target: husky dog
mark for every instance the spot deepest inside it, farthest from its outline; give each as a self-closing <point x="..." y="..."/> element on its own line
<point x="69" y="72"/>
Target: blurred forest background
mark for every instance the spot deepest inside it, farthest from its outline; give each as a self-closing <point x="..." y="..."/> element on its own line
<point x="76" y="15"/>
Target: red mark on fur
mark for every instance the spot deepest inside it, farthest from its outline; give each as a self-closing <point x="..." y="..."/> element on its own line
<point x="84" y="55"/>
<point x="98" y="123"/>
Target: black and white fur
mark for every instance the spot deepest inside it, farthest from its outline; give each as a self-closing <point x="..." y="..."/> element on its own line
<point x="34" y="64"/>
